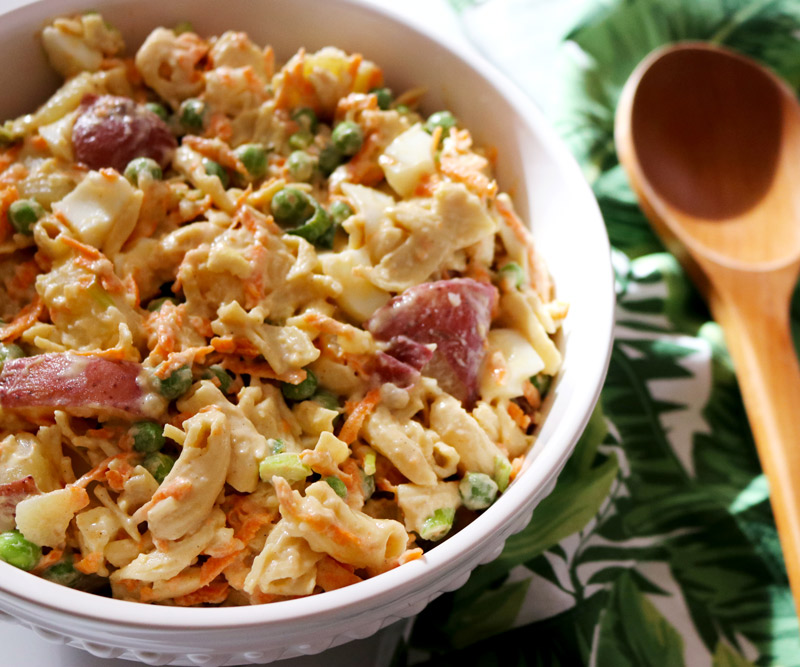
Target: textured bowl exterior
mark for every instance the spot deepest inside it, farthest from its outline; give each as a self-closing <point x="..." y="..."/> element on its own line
<point x="548" y="189"/>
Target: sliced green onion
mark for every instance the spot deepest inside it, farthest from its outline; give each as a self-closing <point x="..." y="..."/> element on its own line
<point x="477" y="490"/>
<point x="502" y="472"/>
<point x="369" y="463"/>
<point x="438" y="524"/>
<point x="64" y="573"/>
<point x="276" y="445"/>
<point x="100" y="295"/>
<point x="337" y="485"/>
<point x="542" y="382"/>
<point x="367" y="484"/>
<point x="513" y="272"/>
<point x="288" y="466"/>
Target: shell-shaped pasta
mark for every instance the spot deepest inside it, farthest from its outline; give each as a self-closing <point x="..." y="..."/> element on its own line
<point x="518" y="311"/>
<point x="393" y="439"/>
<point x="286" y="565"/>
<point x="248" y="446"/>
<point x="264" y="406"/>
<point x="171" y="557"/>
<point x="456" y="220"/>
<point x="460" y="430"/>
<point x="234" y="49"/>
<point x="192" y="486"/>
<point x="169" y="63"/>
<point x="79" y="44"/>
<point x="44" y="519"/>
<point x="330" y="526"/>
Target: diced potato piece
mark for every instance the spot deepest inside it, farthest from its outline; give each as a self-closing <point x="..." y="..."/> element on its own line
<point x="408" y="159"/>
<point x="102" y="210"/>
<point x="44" y="519"/>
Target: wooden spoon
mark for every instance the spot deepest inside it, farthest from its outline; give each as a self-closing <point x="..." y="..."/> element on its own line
<point x="711" y="144"/>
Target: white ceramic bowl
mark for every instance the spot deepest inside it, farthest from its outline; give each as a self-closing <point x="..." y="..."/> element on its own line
<point x="549" y="190"/>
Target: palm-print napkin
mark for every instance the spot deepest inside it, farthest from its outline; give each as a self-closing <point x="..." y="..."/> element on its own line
<point x="658" y="545"/>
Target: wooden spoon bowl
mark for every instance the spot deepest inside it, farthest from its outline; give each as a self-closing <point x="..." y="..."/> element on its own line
<point x="711" y="144"/>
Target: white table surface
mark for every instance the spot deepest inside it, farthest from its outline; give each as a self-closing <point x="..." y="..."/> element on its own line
<point x="22" y="647"/>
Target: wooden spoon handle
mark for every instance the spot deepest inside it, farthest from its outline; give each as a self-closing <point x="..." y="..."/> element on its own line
<point x="760" y="343"/>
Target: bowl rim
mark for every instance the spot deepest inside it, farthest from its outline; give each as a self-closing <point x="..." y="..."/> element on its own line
<point x="413" y="576"/>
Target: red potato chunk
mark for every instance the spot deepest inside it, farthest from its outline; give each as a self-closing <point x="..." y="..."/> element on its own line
<point x="453" y="314"/>
<point x="11" y="493"/>
<point x="111" y="131"/>
<point x="402" y="361"/>
<point x="80" y="385"/>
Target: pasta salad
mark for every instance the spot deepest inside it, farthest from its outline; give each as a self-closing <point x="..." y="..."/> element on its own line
<point x="266" y="330"/>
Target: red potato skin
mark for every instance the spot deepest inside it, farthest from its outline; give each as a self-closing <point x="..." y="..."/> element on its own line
<point x="453" y="314"/>
<point x="79" y="385"/>
<point x="111" y="131"/>
<point x="12" y="493"/>
<point x="401" y="362"/>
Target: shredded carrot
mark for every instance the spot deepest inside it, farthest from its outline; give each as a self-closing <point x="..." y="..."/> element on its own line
<point x="87" y="250"/>
<point x="48" y="559"/>
<point x="518" y="415"/>
<point x="7" y="197"/>
<point x="187" y="357"/>
<point x="90" y="563"/>
<point x="9" y="156"/>
<point x="293" y="89"/>
<point x="24" y="276"/>
<point x="531" y="394"/>
<point x="230" y="345"/>
<point x="219" y="125"/>
<point x="38" y="142"/>
<point x="516" y="468"/>
<point x="23" y="321"/>
<point x="331" y="574"/>
<point x="99" y="471"/>
<point x="213" y="593"/>
<point x="357" y="414"/>
<point x="13" y="174"/>
<point x="409" y="555"/>
<point x="215" y="150"/>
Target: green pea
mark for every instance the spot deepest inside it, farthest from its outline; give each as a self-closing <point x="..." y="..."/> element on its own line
<point x="143" y="167"/>
<point x="192" y="114"/>
<point x="340" y="211"/>
<point x="337" y="485"/>
<point x="158" y="109"/>
<point x="216" y="169"/>
<point x="347" y="136"/>
<point x="303" y="390"/>
<point x="443" y="119"/>
<point x="64" y="573"/>
<point x="513" y="272"/>
<point x="291" y="206"/>
<point x="182" y="27"/>
<point x="300" y="139"/>
<point x="17" y="551"/>
<point x="384" y="96"/>
<point x="156" y="304"/>
<point x="176" y="384"/>
<point x="218" y="373"/>
<point x="326" y="399"/>
<point x="288" y="466"/>
<point x="23" y="214"/>
<point x="477" y="490"/>
<point x="329" y="158"/>
<point x="306" y="118"/>
<point x="254" y="159"/>
<point x="301" y="166"/>
<point x="9" y="134"/>
<point x="158" y="465"/>
<point x="148" y="436"/>
<point x="438" y="524"/>
<point x="316" y="227"/>
<point x="9" y="351"/>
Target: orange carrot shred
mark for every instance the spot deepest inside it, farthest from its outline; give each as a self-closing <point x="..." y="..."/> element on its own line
<point x="358" y="414"/>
